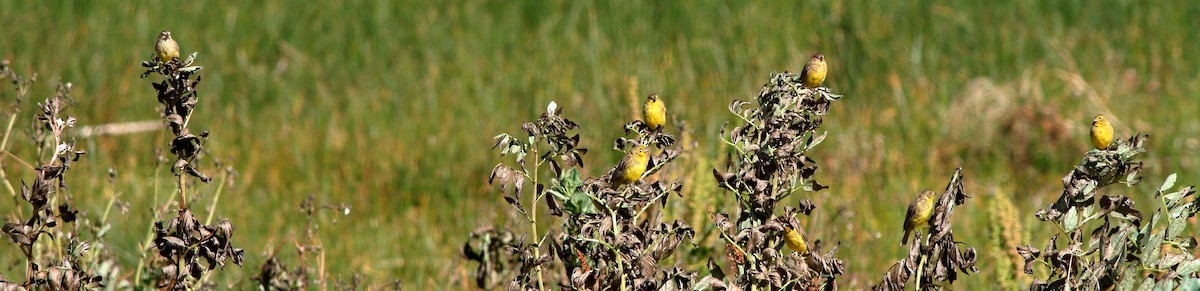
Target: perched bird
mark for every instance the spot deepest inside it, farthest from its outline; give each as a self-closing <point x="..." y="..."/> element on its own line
<point x="918" y="214"/>
<point x="795" y="241"/>
<point x="631" y="167"/>
<point x="654" y="113"/>
<point x="1102" y="132"/>
<point x="814" y="72"/>
<point x="166" y="47"/>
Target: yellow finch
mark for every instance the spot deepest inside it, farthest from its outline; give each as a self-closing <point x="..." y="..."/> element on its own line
<point x="814" y="72"/>
<point x="631" y="167"/>
<point x="1102" y="132"/>
<point x="166" y="47"/>
<point x="918" y="214"/>
<point x="654" y="113"/>
<point x="795" y="241"/>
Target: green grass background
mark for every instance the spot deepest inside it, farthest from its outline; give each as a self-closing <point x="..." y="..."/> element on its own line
<point x="390" y="106"/>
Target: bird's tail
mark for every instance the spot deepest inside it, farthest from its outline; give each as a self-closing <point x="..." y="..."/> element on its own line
<point x="904" y="240"/>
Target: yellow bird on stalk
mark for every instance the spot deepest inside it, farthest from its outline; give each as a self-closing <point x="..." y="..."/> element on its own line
<point x="918" y="214"/>
<point x="1102" y="132"/>
<point x="795" y="241"/>
<point x="654" y="113"/>
<point x="631" y="167"/>
<point x="166" y="47"/>
<point x="814" y="72"/>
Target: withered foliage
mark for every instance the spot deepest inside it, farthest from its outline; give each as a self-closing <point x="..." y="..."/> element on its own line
<point x="1109" y="243"/>
<point x="606" y="238"/>
<point x="940" y="258"/>
<point x="1098" y="168"/>
<point x="769" y="163"/>
<point x="178" y="94"/>
<point x="771" y="146"/>
<point x="276" y="274"/>
<point x="623" y="238"/>
<point x="53" y="210"/>
<point x="487" y="246"/>
<point x="187" y="248"/>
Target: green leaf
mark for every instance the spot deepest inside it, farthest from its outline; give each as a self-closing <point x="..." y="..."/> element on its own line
<point x="191" y="69"/>
<point x="1189" y="283"/>
<point x="570" y="178"/>
<point x="1087" y="189"/>
<point x="1132" y="179"/>
<point x="1147" y="285"/>
<point x="1186" y="269"/>
<point x="574" y="201"/>
<point x="191" y="58"/>
<point x="1127" y="279"/>
<point x="1165" y="285"/>
<point x="1167" y="184"/>
<point x="1071" y="220"/>
<point x="1175" y="226"/>
<point x="1174" y="197"/>
<point x="557" y="194"/>
<point x="1150" y="250"/>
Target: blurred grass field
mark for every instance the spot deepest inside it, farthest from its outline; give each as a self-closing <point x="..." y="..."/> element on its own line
<point x="390" y="107"/>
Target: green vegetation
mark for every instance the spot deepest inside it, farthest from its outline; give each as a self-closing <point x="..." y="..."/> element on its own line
<point x="390" y="107"/>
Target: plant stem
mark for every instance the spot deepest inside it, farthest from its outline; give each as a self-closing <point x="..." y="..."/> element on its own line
<point x="921" y="267"/>
<point x="212" y="207"/>
<point x="3" y="146"/>
<point x="537" y="250"/>
<point x="112" y="199"/>
<point x="182" y="191"/>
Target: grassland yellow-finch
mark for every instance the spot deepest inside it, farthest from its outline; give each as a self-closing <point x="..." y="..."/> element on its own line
<point x="814" y="72"/>
<point x="166" y="47"/>
<point x="1102" y="132"/>
<point x="795" y="241"/>
<point x="631" y="167"/>
<point x="654" y="113"/>
<point x="918" y="214"/>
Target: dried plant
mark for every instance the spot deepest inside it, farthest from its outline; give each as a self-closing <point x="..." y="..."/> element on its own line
<point x="56" y="257"/>
<point x="770" y="163"/>
<point x="1125" y="250"/>
<point x="940" y="258"/>
<point x="188" y="248"/>
<point x="277" y="275"/>
<point x="607" y="238"/>
<point x="620" y="240"/>
<point x="549" y="143"/>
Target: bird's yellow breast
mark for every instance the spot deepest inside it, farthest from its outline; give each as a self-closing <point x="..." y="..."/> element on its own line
<point x="655" y="114"/>
<point x="1102" y="134"/>
<point x="631" y="167"/>
<point x="795" y="241"/>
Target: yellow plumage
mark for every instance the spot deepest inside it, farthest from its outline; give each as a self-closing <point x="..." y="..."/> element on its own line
<point x="1102" y="132"/>
<point x="654" y="113"/>
<point x="918" y="214"/>
<point x="166" y="47"/>
<point x="631" y="167"/>
<point x="795" y="241"/>
<point x="814" y="72"/>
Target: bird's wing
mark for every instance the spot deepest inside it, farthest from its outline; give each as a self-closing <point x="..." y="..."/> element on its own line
<point x="619" y="170"/>
<point x="910" y="214"/>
